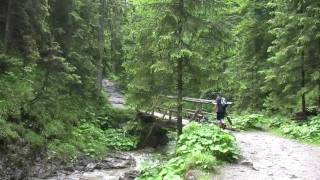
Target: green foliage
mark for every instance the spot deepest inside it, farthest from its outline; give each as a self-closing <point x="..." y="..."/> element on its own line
<point x="176" y="167"/>
<point x="250" y="121"/>
<point x="307" y="132"/>
<point x="166" y="34"/>
<point x="121" y="115"/>
<point x="34" y="139"/>
<point x="277" y="121"/>
<point x="252" y="40"/>
<point x="7" y="132"/>
<point x="117" y="139"/>
<point x="90" y="140"/>
<point x="208" y="139"/>
<point x="62" y="150"/>
<point x="48" y="75"/>
<point x="199" y="147"/>
<point x="54" y="129"/>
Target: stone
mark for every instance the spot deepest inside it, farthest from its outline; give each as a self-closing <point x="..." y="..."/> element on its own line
<point x="249" y="164"/>
<point x="293" y="176"/>
<point x="69" y="168"/>
<point x="130" y="175"/>
<point x="246" y="163"/>
<point x="116" y="161"/>
<point x="90" y="167"/>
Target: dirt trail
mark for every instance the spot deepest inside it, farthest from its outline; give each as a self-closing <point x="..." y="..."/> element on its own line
<point x="115" y="97"/>
<point x="267" y="157"/>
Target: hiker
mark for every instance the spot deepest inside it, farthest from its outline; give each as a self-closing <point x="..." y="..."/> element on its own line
<point x="220" y="108"/>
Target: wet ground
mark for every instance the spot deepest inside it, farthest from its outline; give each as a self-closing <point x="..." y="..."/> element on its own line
<point x="268" y="157"/>
<point x="140" y="157"/>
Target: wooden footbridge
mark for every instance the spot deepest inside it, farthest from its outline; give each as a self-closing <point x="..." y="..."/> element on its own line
<point x="196" y="114"/>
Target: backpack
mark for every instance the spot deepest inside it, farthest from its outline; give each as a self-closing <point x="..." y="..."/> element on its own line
<point x="224" y="104"/>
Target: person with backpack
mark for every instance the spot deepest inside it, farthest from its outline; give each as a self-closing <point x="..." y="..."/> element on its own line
<point x="220" y="107"/>
<point x="220" y="111"/>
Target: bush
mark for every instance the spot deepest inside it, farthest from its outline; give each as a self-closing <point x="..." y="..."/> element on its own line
<point x="308" y="132"/>
<point x="207" y="139"/>
<point x="117" y="139"/>
<point x="34" y="139"/>
<point x="62" y="151"/>
<point x="54" y="129"/>
<point x="252" y="121"/>
<point x="7" y="132"/>
<point x="108" y="117"/>
<point x="90" y="140"/>
<point x="199" y="147"/>
<point x="277" y="122"/>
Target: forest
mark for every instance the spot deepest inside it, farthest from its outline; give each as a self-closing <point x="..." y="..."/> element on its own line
<point x="86" y="87"/>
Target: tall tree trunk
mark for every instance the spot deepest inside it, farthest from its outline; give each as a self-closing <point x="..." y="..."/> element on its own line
<point x="319" y="95"/>
<point x="179" y="100"/>
<point x="303" y="97"/>
<point x="7" y="33"/>
<point x="179" y="73"/>
<point x="113" y="50"/>
<point x="101" y="45"/>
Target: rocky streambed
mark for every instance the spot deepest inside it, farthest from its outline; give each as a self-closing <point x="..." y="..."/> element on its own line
<point x="115" y="166"/>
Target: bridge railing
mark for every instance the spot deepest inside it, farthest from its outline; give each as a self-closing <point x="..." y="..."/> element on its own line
<point x="192" y="114"/>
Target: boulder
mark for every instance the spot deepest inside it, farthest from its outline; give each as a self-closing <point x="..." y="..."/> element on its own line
<point x="116" y="161"/>
<point x="130" y="175"/>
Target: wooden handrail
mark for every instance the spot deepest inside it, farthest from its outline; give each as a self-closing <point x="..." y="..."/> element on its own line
<point x="196" y="100"/>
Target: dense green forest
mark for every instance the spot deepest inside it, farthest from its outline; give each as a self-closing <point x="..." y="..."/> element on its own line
<point x="263" y="55"/>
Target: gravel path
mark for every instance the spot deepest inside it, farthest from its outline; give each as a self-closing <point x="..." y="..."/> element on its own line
<point x="269" y="157"/>
<point x="115" y="97"/>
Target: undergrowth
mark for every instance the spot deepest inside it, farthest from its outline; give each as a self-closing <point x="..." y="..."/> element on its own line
<point x="305" y="131"/>
<point x="201" y="147"/>
<point x="90" y="140"/>
<point x="250" y="121"/>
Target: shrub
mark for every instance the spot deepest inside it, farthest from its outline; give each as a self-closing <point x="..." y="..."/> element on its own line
<point x="108" y="117"/>
<point x="34" y="139"/>
<point x="117" y="139"/>
<point x="252" y="121"/>
<point x="7" y="132"/>
<point x="64" y="151"/>
<point x="199" y="147"/>
<point x="277" y="122"/>
<point x="207" y="139"/>
<point x="309" y="132"/>
<point x="90" y="140"/>
<point x="54" y="129"/>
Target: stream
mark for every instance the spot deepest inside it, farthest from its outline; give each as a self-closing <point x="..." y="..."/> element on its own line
<point x="124" y="165"/>
<point x="142" y="158"/>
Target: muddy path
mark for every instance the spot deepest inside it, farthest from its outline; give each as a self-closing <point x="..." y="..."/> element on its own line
<point x="267" y="157"/>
